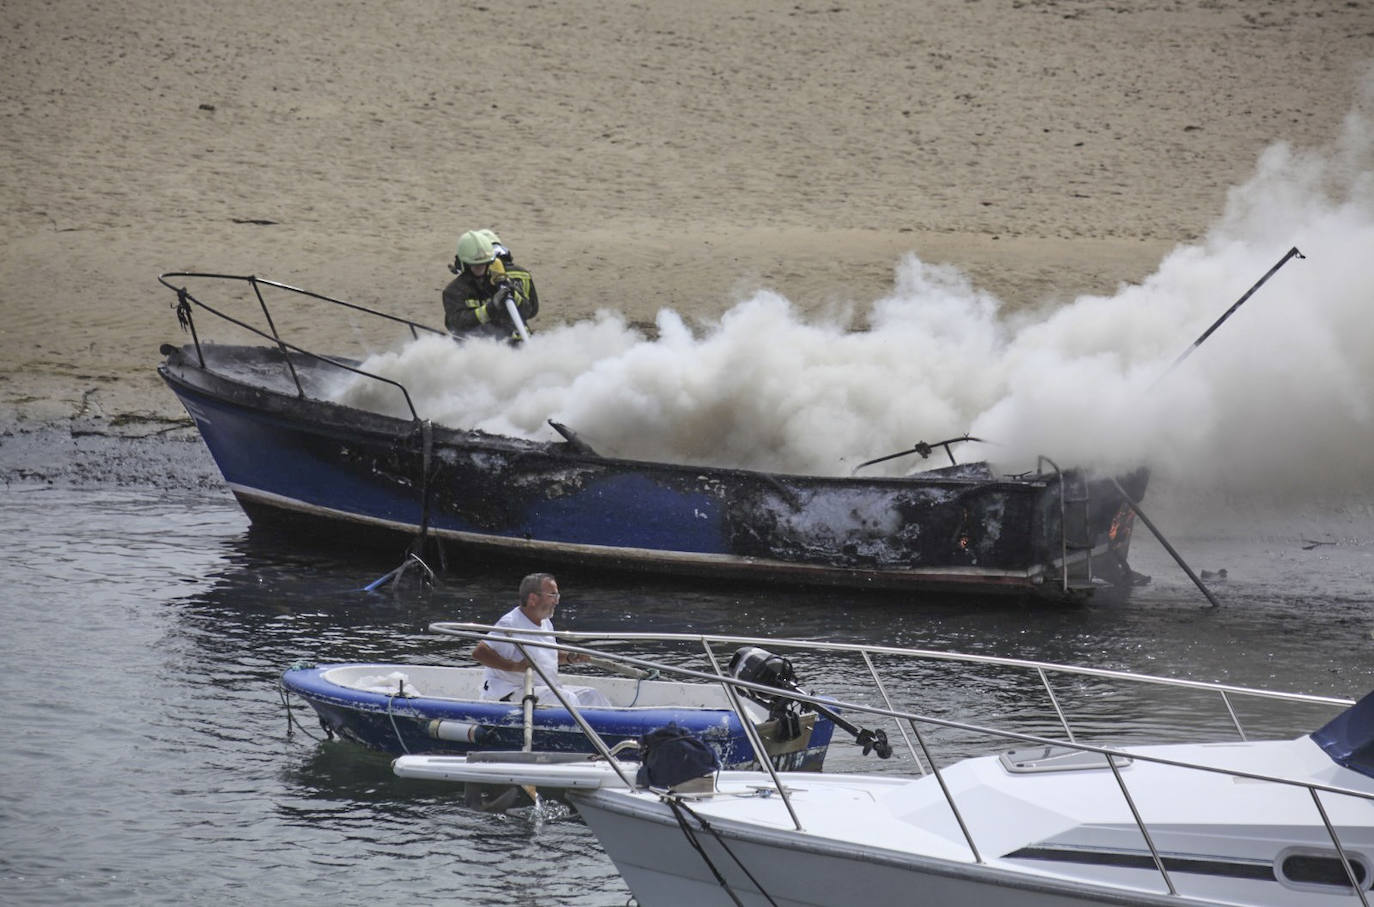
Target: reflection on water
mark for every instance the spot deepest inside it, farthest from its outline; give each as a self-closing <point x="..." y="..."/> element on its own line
<point x="149" y="759"/>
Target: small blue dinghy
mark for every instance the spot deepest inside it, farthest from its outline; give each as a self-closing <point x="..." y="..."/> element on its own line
<point x="432" y="709"/>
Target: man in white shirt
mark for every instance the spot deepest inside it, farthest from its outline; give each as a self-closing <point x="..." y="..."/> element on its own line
<point x="504" y="678"/>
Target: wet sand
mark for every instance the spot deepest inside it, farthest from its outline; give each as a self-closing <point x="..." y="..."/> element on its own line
<point x="635" y="155"/>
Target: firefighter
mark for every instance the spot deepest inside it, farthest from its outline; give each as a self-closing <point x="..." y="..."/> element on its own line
<point x="475" y="300"/>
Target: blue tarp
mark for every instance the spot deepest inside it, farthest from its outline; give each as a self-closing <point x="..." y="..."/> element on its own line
<point x="1349" y="737"/>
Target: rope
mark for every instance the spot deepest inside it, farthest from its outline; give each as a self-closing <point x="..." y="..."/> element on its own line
<point x="399" y="739"/>
<point x="427" y="439"/>
<point x="183" y="309"/>
<point x="417" y="549"/>
<point x="678" y="808"/>
<point x="291" y="716"/>
<point x="428" y="474"/>
<point x="417" y="545"/>
<point x="639" y="684"/>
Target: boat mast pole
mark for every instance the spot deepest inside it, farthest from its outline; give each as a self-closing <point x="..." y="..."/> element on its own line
<point x="1292" y="253"/>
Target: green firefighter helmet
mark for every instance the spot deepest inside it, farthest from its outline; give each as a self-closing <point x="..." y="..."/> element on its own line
<point x="498" y="247"/>
<point x="475" y="249"/>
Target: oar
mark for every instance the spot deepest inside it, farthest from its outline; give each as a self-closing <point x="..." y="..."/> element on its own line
<point x="616" y="667"/>
<point x="507" y="797"/>
<point x="529" y="727"/>
<point x="529" y="709"/>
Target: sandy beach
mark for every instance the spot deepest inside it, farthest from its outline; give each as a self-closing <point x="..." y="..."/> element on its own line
<point x="637" y="155"/>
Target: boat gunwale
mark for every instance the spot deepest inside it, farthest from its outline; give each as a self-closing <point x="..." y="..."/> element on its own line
<point x="311" y="682"/>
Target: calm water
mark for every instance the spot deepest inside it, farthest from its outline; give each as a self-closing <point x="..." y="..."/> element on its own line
<point x="148" y="759"/>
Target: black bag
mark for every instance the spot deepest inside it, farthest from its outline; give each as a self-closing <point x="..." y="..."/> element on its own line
<point x="671" y="755"/>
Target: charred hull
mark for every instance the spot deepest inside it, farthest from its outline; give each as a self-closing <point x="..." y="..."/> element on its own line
<point x="292" y="458"/>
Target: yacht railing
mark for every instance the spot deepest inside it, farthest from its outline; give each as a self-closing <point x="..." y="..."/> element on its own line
<point x="186" y="301"/>
<point x="572" y="641"/>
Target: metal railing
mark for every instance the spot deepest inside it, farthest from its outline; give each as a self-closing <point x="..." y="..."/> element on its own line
<point x="1088" y="544"/>
<point x="1063" y="529"/>
<point x="569" y="641"/>
<point x="185" y="302"/>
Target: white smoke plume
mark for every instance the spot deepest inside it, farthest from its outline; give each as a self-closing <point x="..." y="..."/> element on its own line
<point x="1279" y="397"/>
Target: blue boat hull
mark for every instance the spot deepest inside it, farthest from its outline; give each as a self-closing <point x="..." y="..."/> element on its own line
<point x="398" y="724"/>
<point x="292" y="457"/>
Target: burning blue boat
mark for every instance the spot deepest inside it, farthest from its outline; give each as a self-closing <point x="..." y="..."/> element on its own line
<point x="295" y="458"/>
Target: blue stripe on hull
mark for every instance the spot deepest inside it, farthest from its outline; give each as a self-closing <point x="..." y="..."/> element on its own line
<point x="258" y="453"/>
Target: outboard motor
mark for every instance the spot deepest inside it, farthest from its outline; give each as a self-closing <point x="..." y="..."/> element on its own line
<point x="759" y="666"/>
<point x="754" y="665"/>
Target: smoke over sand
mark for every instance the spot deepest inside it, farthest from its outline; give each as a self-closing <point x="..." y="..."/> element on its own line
<point x="1278" y="397"/>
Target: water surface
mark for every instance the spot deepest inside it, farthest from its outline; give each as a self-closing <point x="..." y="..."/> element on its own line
<point x="149" y="757"/>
